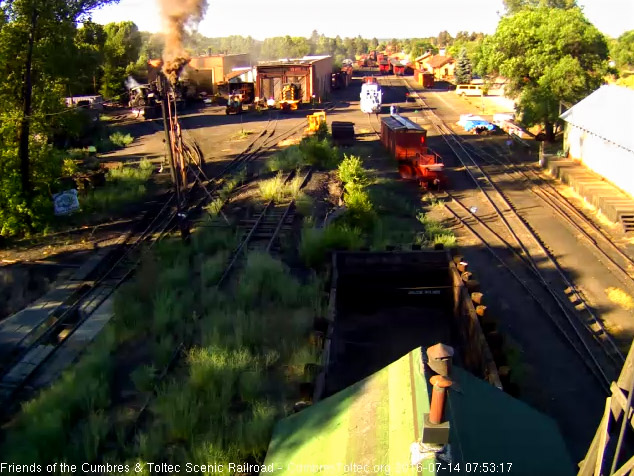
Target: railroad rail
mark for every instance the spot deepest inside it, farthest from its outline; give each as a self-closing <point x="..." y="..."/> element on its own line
<point x="37" y="349"/>
<point x="39" y="344"/>
<point x="261" y="233"/>
<point x="619" y="261"/>
<point x="589" y="338"/>
<point x="265" y="228"/>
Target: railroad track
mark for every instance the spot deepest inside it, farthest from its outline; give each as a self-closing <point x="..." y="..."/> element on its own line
<point x="262" y="232"/>
<point x="578" y="324"/>
<point x="42" y="351"/>
<point x="618" y="261"/>
<point x="39" y="355"/>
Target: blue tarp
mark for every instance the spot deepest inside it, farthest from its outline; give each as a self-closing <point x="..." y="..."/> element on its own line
<point x="469" y="125"/>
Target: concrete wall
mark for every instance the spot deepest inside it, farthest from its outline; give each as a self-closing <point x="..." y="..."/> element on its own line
<point x="605" y="158"/>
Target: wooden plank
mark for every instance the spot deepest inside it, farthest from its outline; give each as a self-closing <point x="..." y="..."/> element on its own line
<point x="604" y="437"/>
<point x="625" y="379"/>
<point x="626" y="468"/>
<point x="619" y="403"/>
<point x="586" y="465"/>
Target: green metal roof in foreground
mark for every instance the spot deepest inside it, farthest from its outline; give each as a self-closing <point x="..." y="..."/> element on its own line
<point x="368" y="429"/>
<point x="371" y="424"/>
<point x="490" y="426"/>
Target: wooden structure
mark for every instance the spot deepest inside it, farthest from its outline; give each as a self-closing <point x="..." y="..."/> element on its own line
<point x="607" y="454"/>
<point x="313" y="75"/>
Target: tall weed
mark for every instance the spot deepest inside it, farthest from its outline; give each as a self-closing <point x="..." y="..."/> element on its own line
<point x="317" y="243"/>
<point x="351" y="171"/>
<point x="360" y="211"/>
<point x="272" y="189"/>
<point x="286" y="160"/>
<point x="319" y="153"/>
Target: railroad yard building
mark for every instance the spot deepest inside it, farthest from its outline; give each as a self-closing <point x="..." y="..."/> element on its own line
<point x="598" y="133"/>
<point x="441" y="66"/>
<point x="311" y="73"/>
<point x="210" y="71"/>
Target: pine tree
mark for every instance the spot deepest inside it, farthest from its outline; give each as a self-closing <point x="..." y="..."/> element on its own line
<point x="462" y="72"/>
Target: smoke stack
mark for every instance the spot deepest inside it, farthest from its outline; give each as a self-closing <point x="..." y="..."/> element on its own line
<point x="178" y="15"/>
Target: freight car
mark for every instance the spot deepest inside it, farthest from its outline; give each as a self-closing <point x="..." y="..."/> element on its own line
<point x="385" y="67"/>
<point x="407" y="142"/>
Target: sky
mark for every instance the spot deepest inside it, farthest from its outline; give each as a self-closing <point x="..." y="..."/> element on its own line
<point x="368" y="18"/>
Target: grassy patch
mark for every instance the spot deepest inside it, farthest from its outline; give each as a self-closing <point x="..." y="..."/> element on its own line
<point x="120" y="139"/>
<point x="434" y="232"/>
<point x="240" y="377"/>
<point x="304" y="204"/>
<point x="243" y="134"/>
<point x="279" y="190"/>
<point x="432" y="202"/>
<point x="287" y="159"/>
<point x="272" y="189"/>
<point x="42" y="431"/>
<point x="124" y="185"/>
<point x="317" y="243"/>
<point x="70" y="421"/>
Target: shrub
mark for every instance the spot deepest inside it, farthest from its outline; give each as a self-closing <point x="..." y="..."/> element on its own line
<point x="319" y="153"/>
<point x="322" y="132"/>
<point x="121" y="140"/>
<point x="360" y="211"/>
<point x="286" y="160"/>
<point x="351" y="171"/>
<point x="316" y="243"/>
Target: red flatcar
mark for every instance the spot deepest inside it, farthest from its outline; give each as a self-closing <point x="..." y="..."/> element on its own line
<point x="407" y="142"/>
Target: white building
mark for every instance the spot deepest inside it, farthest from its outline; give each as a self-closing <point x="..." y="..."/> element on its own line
<point x="599" y="132"/>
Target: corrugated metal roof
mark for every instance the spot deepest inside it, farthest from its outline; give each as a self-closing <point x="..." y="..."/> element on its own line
<point x="397" y="122"/>
<point x="375" y="420"/>
<point x="306" y="60"/>
<point x="607" y="113"/>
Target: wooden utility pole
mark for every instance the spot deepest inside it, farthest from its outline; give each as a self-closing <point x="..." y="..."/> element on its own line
<point x="167" y="125"/>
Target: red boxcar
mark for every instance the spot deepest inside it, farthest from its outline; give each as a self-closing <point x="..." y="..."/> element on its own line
<point x="407" y="142"/>
<point x="402" y="137"/>
<point x="385" y="67"/>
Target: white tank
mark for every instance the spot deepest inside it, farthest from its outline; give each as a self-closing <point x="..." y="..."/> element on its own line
<point x="371" y="98"/>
